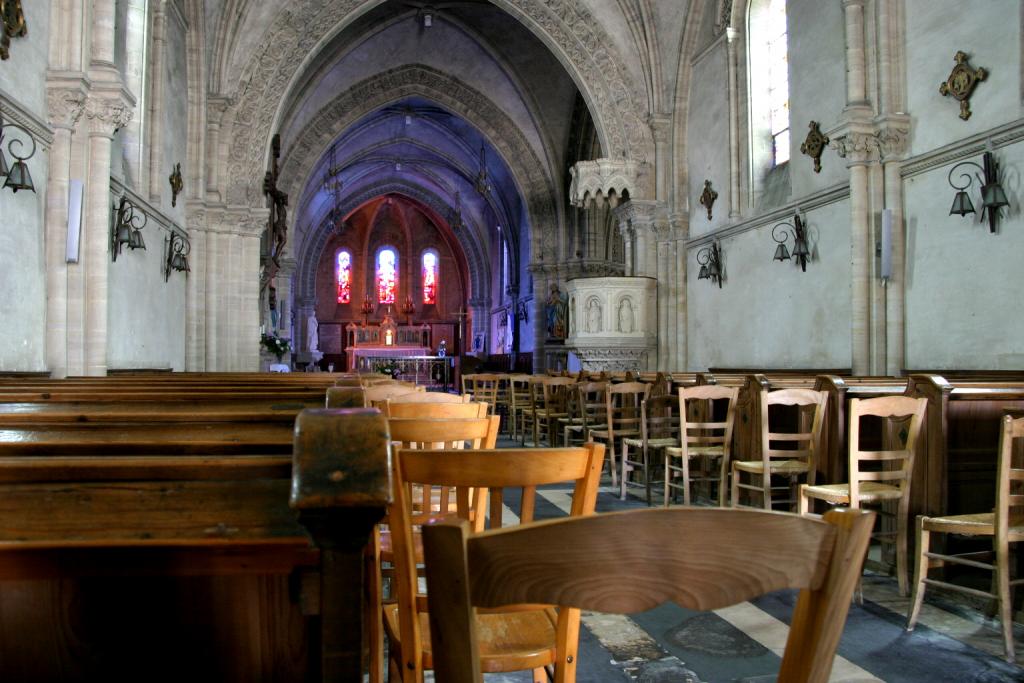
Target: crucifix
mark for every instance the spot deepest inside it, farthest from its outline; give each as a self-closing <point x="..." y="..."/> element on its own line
<point x="277" y="223"/>
<point x="461" y="315"/>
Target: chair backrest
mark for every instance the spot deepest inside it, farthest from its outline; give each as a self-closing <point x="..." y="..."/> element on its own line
<point x="588" y="403"/>
<point x="401" y="408"/>
<point x="432" y="397"/>
<point x="1010" y="482"/>
<point x="700" y="427"/>
<point x="622" y="406"/>
<point x="555" y="391"/>
<point x="894" y="466"/>
<point x="579" y="563"/>
<point x="484" y="387"/>
<point x="381" y="392"/>
<point x="660" y="417"/>
<point x="802" y="444"/>
<point x="473" y="474"/>
<point x="519" y="388"/>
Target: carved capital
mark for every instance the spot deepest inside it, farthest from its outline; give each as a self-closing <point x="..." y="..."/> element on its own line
<point x="106" y="115"/>
<point x="893" y="141"/>
<point x="661" y="128"/>
<point x="605" y="180"/>
<point x="856" y="147"/>
<point x="65" y="106"/>
<point x="216" y="105"/>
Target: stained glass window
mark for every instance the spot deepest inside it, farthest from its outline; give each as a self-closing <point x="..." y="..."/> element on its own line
<point x="430" y="277"/>
<point x="387" y="276"/>
<point x="344" y="277"/>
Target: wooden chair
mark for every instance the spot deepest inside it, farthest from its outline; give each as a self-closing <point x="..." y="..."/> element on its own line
<point x="483" y="387"/>
<point x="534" y="406"/>
<point x="553" y="404"/>
<point x="704" y="437"/>
<point x="1005" y="525"/>
<point x="586" y="411"/>
<point x="519" y="400"/>
<point x="422" y="434"/>
<point x="622" y="406"/>
<point x="879" y="475"/>
<point x="527" y="638"/>
<point x="399" y="408"/>
<point x="578" y="563"/>
<point x="659" y="429"/>
<point x="382" y="392"/>
<point x="774" y="461"/>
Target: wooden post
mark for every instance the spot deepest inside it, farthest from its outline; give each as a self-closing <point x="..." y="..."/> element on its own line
<point x="341" y="486"/>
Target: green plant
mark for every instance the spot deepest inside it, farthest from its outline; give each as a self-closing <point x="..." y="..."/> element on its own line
<point x="388" y="367"/>
<point x="275" y="345"/>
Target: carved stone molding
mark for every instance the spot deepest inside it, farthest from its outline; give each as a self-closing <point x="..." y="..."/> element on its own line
<point x="610" y="180"/>
<point x="65" y="106"/>
<point x="723" y="19"/>
<point x="612" y="360"/>
<point x="106" y="115"/>
<point x="567" y="25"/>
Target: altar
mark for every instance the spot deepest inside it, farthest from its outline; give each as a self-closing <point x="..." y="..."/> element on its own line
<point x="369" y="345"/>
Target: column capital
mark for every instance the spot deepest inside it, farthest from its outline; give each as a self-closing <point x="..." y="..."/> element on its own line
<point x="65" y="100"/>
<point x="893" y="136"/>
<point x="106" y="112"/>
<point x="661" y="127"/>
<point x="640" y="213"/>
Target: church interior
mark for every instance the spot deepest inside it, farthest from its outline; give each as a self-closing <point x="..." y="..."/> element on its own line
<point x="215" y="213"/>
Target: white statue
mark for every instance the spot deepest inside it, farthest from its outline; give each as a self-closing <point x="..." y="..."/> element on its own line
<point x="593" y="315"/>
<point x="312" y="334"/>
<point x="626" y="315"/>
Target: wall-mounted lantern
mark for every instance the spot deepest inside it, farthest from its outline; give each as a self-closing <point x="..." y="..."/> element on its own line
<point x="129" y="221"/>
<point x="799" y="234"/>
<point x="710" y="260"/>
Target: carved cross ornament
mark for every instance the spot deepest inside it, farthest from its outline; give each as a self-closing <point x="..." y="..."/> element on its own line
<point x="14" y="26"/>
<point x="961" y="83"/>
<point x="814" y="144"/>
<point x="708" y="197"/>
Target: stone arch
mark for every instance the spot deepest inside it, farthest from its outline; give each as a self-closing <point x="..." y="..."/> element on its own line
<point x="566" y="27"/>
<point x="306" y="262"/>
<point x="536" y="188"/>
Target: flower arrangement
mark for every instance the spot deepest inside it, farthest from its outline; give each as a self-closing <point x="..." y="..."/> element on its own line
<point x="275" y="345"/>
<point x="388" y="367"/>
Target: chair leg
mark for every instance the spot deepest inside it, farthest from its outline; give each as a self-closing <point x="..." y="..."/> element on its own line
<point x="668" y="477"/>
<point x="622" y="462"/>
<point x="1005" y="597"/>
<point x="920" y="573"/>
<point x="734" y="493"/>
<point x="901" y="552"/>
<point x="723" y="481"/>
<point x="373" y="615"/>
<point x="686" y="479"/>
<point x="647" y="476"/>
<point x="540" y="675"/>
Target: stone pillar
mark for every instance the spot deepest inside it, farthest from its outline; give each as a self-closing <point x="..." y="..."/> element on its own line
<point x="664" y="299"/>
<point x="680" y="337"/>
<point x="195" y="291"/>
<point x="731" y="35"/>
<point x="304" y="307"/>
<point x="893" y="145"/>
<point x="858" y="148"/>
<point x="215" y="108"/>
<point x="661" y="128"/>
<point x="540" y="295"/>
<point x="65" y="106"/>
<point x="627" y="246"/>
<point x="105" y="114"/>
<point x="285" y="305"/>
<point x="157" y="177"/>
<point x="856" y="69"/>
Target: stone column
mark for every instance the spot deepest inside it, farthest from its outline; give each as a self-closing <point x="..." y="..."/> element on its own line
<point x="215" y="108"/>
<point x="195" y="291"/>
<point x="856" y="69"/>
<point x="65" y="106"/>
<point x="284" y="303"/>
<point x="661" y="128"/>
<point x="731" y="35"/>
<point x="681" y="337"/>
<point x="664" y="298"/>
<point x="156" y="102"/>
<point x="892" y="142"/>
<point x="540" y="295"/>
<point x="304" y="308"/>
<point x="858" y="148"/>
<point x="105" y="114"/>
<point x="627" y="246"/>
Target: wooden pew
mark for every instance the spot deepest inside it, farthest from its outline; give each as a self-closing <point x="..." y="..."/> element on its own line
<point x="117" y="566"/>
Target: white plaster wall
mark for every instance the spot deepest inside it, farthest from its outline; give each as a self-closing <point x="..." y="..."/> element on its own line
<point x="146" y="316"/>
<point x="175" y="115"/>
<point x="817" y="88"/>
<point x="22" y="263"/>
<point x="989" y="32"/>
<point x="23" y="76"/>
<point x="23" y="273"/>
<point x="770" y="314"/>
<point x="964" y="304"/>
<point x="708" y="140"/>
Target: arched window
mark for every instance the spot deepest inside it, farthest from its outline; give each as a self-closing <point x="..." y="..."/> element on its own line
<point x="768" y="50"/>
<point x="343" y="276"/>
<point x="430" y="265"/>
<point x="387" y="275"/>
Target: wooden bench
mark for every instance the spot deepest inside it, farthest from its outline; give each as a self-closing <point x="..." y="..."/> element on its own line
<point x="122" y="558"/>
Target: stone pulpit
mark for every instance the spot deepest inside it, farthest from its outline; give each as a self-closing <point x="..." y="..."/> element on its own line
<point x="613" y="322"/>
